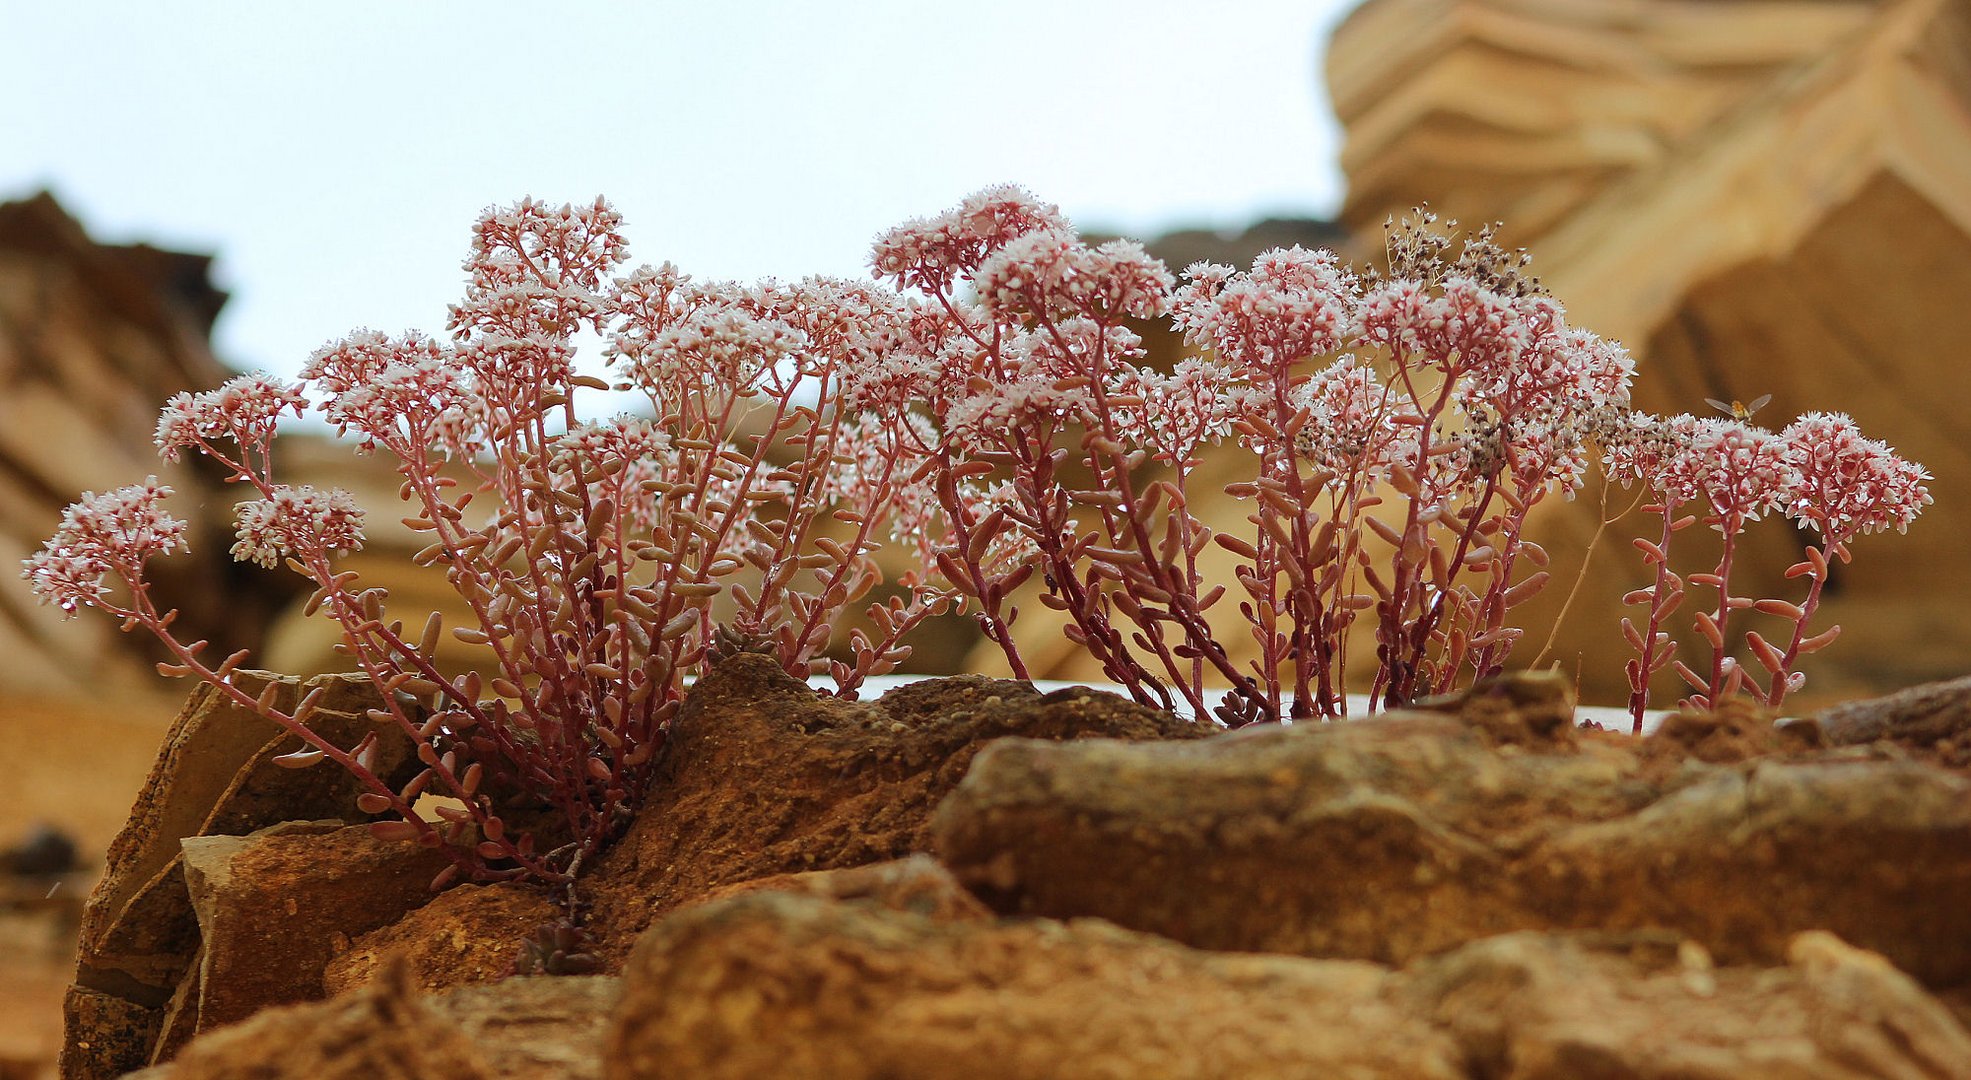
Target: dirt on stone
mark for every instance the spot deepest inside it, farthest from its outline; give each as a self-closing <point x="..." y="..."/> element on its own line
<point x="1737" y="730"/>
<point x="466" y="935"/>
<point x="760" y="776"/>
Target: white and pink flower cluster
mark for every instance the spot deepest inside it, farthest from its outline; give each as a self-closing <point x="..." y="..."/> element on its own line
<point x="243" y="411"/>
<point x="115" y="532"/>
<point x="297" y="521"/>
<point x="1820" y="471"/>
<point x="1843" y="484"/>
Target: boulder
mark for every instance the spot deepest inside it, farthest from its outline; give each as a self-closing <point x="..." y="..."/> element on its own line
<point x="775" y="984"/>
<point x="1562" y="1006"/>
<point x="1397" y="838"/>
<point x="274" y="906"/>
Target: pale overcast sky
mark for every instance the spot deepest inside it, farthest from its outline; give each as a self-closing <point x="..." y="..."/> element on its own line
<point x="335" y="156"/>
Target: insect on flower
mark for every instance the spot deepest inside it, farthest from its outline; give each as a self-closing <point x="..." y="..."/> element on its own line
<point x="1739" y="410"/>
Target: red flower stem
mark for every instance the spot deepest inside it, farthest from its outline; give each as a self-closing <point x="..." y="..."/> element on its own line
<point x="1777" y="690"/>
<point x="1723" y="573"/>
<point x="1197" y="633"/>
<point x="997" y="628"/>
<point x="144" y="613"/>
<point x="1420" y="633"/>
<point x="1659" y="609"/>
<point x="1394" y="679"/>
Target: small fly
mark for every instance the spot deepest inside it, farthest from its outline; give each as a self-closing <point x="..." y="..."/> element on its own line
<point x="1739" y="410"/>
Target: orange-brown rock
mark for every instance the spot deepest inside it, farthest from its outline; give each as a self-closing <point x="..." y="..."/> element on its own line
<point x="1563" y="1006"/>
<point x="759" y="776"/>
<point x="768" y="984"/>
<point x="465" y="935"/>
<point x="276" y="905"/>
<point x="214" y="776"/>
<point x="771" y="984"/>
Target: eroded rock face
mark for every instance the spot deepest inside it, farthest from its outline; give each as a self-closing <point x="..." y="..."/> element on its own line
<point x="522" y="1028"/>
<point x="214" y="776"/>
<point x="773" y="984"/>
<point x="1396" y="838"/>
<point x="1932" y="720"/>
<point x="761" y="777"/>
<point x="274" y="906"/>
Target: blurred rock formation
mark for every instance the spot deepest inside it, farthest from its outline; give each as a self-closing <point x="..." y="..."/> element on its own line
<point x="93" y="338"/>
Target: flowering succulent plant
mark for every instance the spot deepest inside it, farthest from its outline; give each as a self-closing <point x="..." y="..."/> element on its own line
<point x="590" y="554"/>
<point x="1820" y="473"/>
<point x="1400" y="428"/>
<point x="995" y="419"/>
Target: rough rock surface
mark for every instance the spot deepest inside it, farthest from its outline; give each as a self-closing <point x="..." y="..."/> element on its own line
<point x="214" y="776"/>
<point x="274" y="906"/>
<point x="760" y="777"/>
<point x="522" y="1028"/>
<point x="465" y="935"/>
<point x="917" y="884"/>
<point x="1396" y="838"/>
<point x="769" y="985"/>
<point x="779" y="985"/>
<point x="1562" y="1006"/>
<point x="1932" y="720"/>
